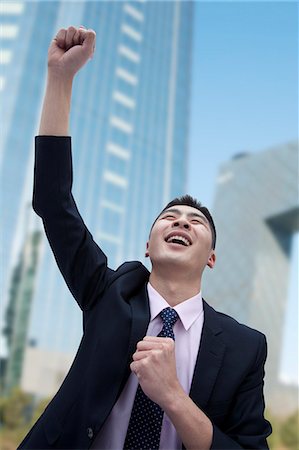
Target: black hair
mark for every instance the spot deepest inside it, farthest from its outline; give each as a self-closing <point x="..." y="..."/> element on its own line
<point x="191" y="201"/>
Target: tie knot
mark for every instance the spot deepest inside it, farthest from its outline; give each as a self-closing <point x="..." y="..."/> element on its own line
<point x="169" y="316"/>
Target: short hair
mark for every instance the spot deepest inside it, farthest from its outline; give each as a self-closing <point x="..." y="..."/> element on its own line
<point x="187" y="200"/>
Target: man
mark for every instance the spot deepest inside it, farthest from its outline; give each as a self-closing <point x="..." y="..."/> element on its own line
<point x="157" y="367"/>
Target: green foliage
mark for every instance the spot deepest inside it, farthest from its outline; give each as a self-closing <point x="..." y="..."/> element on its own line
<point x="39" y="409"/>
<point x="13" y="409"/>
<point x="10" y="439"/>
<point x="17" y="415"/>
<point x="273" y="440"/>
<point x="289" y="432"/>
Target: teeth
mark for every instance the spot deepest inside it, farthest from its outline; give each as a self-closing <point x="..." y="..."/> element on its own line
<point x="179" y="238"/>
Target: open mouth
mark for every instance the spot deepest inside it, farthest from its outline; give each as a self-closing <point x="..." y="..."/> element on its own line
<point x="178" y="240"/>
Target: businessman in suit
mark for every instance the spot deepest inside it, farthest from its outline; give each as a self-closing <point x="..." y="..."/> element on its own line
<point x="157" y="367"/>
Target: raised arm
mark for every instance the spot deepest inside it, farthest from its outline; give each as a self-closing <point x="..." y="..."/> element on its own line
<point x="81" y="262"/>
<point x="68" y="52"/>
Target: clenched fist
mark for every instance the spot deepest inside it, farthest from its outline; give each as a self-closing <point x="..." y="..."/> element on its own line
<point x="70" y="50"/>
<point x="154" y="365"/>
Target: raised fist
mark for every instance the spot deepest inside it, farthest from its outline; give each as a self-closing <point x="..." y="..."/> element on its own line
<point x="70" y="50"/>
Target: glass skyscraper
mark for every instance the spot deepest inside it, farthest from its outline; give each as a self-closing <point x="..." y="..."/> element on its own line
<point x="256" y="212"/>
<point x="129" y="126"/>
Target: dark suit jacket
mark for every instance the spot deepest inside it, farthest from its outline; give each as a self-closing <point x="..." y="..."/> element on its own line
<point x="228" y="377"/>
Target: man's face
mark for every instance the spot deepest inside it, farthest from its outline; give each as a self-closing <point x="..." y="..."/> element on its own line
<point x="181" y="236"/>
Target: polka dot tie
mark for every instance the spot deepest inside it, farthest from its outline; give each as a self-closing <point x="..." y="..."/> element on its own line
<point x="146" y="418"/>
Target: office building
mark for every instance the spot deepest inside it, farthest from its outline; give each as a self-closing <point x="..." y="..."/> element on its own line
<point x="129" y="126"/>
<point x="256" y="212"/>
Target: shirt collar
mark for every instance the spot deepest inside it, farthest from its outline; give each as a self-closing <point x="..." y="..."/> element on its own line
<point x="189" y="310"/>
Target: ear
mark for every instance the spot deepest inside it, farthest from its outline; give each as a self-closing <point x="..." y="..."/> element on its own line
<point x="212" y="260"/>
<point x="146" y="252"/>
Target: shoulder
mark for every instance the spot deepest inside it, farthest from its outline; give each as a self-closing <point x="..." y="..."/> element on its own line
<point x="131" y="266"/>
<point x="133" y="274"/>
<point x="243" y="345"/>
<point x="231" y="329"/>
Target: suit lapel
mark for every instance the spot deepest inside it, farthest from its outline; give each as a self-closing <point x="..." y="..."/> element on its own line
<point x="209" y="358"/>
<point x="140" y="317"/>
<point x="140" y="314"/>
<point x="210" y="354"/>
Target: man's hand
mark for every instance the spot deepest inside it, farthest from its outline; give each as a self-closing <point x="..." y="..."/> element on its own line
<point x="154" y="365"/>
<point x="70" y="50"/>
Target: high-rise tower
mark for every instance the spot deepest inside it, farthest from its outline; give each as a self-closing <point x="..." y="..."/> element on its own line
<point x="256" y="213"/>
<point x="129" y="126"/>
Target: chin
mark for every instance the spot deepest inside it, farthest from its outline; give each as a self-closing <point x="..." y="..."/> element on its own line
<point x="172" y="260"/>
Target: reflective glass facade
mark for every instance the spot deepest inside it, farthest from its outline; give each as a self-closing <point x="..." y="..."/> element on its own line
<point x="256" y="213"/>
<point x="129" y="125"/>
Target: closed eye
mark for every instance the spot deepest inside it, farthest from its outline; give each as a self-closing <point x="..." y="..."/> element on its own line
<point x="169" y="216"/>
<point x="196" y="221"/>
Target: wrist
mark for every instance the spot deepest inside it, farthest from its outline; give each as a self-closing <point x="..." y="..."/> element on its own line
<point x="59" y="80"/>
<point x="173" y="399"/>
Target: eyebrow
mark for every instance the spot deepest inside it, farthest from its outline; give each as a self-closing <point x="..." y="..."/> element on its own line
<point x="192" y="214"/>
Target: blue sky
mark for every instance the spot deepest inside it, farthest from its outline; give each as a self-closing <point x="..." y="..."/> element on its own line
<point x="244" y="98"/>
<point x="244" y="90"/>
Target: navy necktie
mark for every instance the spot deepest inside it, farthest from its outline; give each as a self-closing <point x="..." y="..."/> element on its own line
<point x="146" y="418"/>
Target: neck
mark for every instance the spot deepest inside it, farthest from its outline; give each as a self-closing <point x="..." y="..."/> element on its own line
<point x="174" y="290"/>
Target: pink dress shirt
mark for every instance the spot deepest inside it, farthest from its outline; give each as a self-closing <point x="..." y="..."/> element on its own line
<point x="187" y="332"/>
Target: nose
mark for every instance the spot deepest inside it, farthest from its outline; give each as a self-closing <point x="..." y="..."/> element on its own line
<point x="181" y="223"/>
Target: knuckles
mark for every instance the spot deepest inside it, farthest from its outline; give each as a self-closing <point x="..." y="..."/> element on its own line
<point x="139" y="345"/>
<point x="143" y="364"/>
<point x="168" y="344"/>
<point x="156" y="355"/>
<point x="72" y="29"/>
<point x="163" y="344"/>
<point x="135" y="357"/>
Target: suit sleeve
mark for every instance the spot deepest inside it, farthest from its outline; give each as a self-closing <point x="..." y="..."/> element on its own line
<point x="80" y="260"/>
<point x="246" y="427"/>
